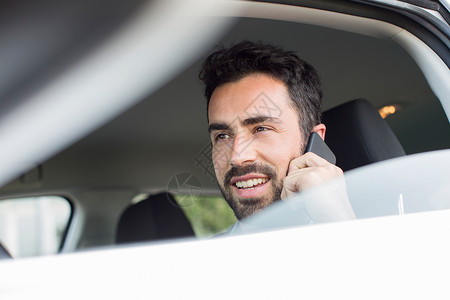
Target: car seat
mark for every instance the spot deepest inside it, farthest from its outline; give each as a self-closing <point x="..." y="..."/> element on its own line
<point x="358" y="135"/>
<point x="157" y="217"/>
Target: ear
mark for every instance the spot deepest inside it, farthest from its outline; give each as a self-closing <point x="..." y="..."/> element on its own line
<point x="320" y="129"/>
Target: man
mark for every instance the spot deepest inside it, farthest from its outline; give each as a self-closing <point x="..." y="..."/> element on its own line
<point x="263" y="103"/>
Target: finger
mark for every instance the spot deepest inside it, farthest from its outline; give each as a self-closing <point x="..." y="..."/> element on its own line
<point x="301" y="179"/>
<point x="309" y="159"/>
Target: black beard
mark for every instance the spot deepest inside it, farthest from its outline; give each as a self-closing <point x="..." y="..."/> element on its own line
<point x="249" y="206"/>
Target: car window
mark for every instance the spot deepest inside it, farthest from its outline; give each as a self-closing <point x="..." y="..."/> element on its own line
<point x="145" y="147"/>
<point x="34" y="226"/>
<point x="209" y="215"/>
<point x="410" y="184"/>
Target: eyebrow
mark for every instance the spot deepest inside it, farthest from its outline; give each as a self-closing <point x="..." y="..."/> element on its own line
<point x="218" y="126"/>
<point x="260" y="119"/>
<point x="246" y="122"/>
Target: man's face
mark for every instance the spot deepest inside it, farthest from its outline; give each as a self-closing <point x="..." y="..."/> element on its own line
<point x="255" y="133"/>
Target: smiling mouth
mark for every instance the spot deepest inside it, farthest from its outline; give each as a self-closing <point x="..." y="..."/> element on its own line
<point x="251" y="183"/>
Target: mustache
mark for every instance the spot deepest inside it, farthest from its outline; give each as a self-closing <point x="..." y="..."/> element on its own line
<point x="252" y="168"/>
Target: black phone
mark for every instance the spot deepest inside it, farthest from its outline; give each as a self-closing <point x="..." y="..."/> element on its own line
<point x="318" y="146"/>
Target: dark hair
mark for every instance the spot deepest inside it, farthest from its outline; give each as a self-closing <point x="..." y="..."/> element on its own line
<point x="246" y="58"/>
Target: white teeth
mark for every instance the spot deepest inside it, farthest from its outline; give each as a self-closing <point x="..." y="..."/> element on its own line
<point x="250" y="183"/>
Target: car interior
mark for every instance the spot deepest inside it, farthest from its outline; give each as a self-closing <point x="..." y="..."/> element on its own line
<point x="120" y="181"/>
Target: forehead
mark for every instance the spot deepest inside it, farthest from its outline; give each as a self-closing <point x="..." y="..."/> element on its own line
<point x="251" y="96"/>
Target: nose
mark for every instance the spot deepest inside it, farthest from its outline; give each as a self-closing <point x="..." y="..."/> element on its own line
<point x="243" y="151"/>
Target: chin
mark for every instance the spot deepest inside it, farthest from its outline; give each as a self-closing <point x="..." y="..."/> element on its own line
<point x="245" y="207"/>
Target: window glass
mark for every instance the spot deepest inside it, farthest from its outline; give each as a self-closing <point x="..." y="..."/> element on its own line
<point x="34" y="225"/>
<point x="405" y="185"/>
<point x="209" y="215"/>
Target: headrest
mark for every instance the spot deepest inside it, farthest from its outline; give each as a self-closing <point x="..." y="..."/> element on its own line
<point x="157" y="217"/>
<point x="358" y="135"/>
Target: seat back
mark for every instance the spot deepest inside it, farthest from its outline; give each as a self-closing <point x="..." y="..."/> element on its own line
<point x="157" y="217"/>
<point x="358" y="135"/>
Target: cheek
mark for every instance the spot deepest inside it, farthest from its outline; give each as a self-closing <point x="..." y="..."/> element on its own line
<point x="283" y="166"/>
<point x="220" y="162"/>
<point x="280" y="155"/>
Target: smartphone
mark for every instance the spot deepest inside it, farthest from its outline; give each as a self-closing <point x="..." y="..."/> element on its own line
<point x="318" y="146"/>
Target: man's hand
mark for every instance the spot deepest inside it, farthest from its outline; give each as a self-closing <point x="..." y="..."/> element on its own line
<point x="310" y="170"/>
<point x="307" y="171"/>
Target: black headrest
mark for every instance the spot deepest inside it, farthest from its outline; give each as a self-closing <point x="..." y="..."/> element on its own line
<point x="157" y="217"/>
<point x="358" y="135"/>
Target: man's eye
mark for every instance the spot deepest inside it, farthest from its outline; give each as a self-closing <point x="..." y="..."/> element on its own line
<point x="221" y="136"/>
<point x="259" y="129"/>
